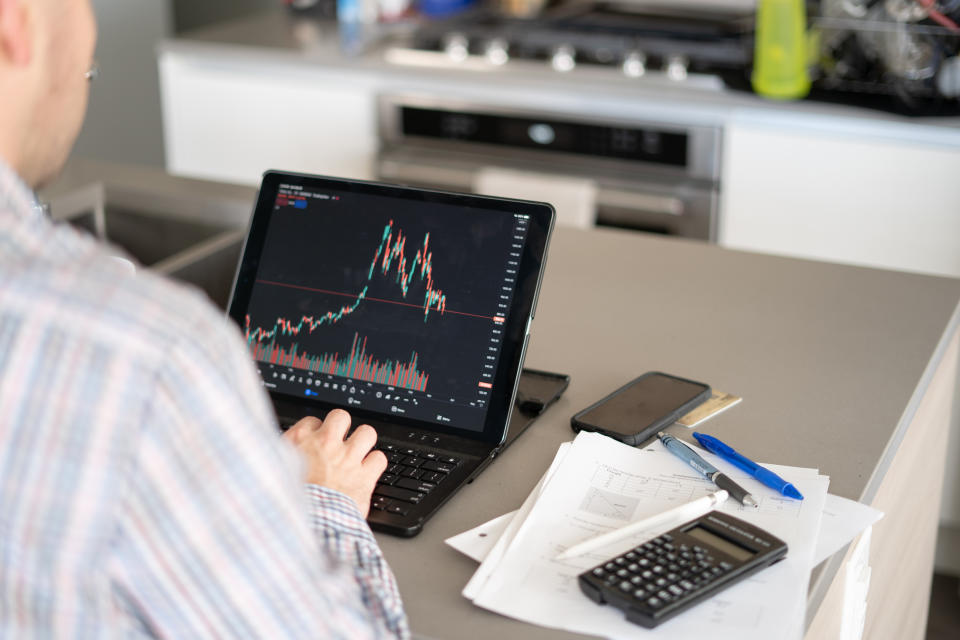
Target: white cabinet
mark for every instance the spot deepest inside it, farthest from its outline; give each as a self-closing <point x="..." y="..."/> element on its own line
<point x="233" y="119"/>
<point x="885" y="195"/>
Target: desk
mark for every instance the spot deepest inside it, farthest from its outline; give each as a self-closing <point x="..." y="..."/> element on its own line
<point x="849" y="370"/>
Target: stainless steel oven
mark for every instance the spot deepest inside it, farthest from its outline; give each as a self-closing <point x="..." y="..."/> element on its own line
<point x="650" y="176"/>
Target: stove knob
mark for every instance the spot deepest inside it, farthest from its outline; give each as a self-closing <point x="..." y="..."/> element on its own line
<point x="497" y="51"/>
<point x="635" y="64"/>
<point x="676" y="68"/>
<point x="456" y="46"/>
<point x="563" y="58"/>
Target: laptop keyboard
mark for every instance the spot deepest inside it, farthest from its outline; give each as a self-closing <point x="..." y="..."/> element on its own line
<point x="411" y="474"/>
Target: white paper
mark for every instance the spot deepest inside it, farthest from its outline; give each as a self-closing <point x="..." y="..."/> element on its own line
<point x="843" y="520"/>
<point x="603" y="484"/>
<point x="495" y="554"/>
<point x="477" y="542"/>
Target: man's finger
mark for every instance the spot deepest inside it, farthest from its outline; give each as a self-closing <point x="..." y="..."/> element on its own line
<point x="362" y="440"/>
<point x="301" y="429"/>
<point x="335" y="425"/>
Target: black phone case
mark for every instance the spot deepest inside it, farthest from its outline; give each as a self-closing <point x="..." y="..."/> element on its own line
<point x="650" y="430"/>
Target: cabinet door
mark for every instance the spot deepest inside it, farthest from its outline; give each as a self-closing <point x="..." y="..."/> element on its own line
<point x="827" y="193"/>
<point x="231" y="120"/>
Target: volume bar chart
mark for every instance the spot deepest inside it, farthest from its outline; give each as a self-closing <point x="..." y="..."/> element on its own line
<point x="357" y="365"/>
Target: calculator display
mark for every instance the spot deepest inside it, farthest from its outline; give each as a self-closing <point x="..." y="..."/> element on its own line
<point x="722" y="544"/>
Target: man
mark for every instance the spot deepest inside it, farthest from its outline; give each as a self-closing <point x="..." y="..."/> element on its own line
<point x="143" y="489"/>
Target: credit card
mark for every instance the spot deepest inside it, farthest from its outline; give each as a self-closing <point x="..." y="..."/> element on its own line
<point x="718" y="402"/>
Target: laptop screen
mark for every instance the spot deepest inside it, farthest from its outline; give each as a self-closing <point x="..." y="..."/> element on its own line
<point x="387" y="301"/>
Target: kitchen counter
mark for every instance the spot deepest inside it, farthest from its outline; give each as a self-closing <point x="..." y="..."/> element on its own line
<point x="266" y="39"/>
<point x="849" y="370"/>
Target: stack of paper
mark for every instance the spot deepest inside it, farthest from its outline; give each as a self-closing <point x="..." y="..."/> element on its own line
<point x="596" y="484"/>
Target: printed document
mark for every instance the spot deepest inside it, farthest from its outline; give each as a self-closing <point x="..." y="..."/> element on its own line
<point x="599" y="484"/>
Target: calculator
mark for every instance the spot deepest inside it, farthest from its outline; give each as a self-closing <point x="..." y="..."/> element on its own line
<point x="665" y="576"/>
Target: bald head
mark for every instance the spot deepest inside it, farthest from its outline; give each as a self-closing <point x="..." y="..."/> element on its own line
<point x="46" y="46"/>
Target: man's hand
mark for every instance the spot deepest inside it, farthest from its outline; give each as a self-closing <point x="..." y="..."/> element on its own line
<point x="345" y="465"/>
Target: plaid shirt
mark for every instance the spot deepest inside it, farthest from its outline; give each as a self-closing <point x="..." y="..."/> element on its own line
<point x="144" y="491"/>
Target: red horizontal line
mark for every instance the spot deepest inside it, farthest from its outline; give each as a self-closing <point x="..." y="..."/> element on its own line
<point x="353" y="295"/>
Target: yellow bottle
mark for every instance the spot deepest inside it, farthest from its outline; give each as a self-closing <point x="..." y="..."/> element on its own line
<point x="780" y="56"/>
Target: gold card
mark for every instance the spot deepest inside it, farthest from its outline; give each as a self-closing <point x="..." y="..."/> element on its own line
<point x="716" y="403"/>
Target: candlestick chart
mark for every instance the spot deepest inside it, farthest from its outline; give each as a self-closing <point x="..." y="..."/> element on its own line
<point x="364" y="290"/>
<point x="391" y="262"/>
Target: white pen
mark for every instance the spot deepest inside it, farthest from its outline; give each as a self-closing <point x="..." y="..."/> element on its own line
<point x="675" y="516"/>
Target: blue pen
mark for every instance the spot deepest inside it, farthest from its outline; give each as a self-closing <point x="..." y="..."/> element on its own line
<point x="710" y="472"/>
<point x="762" y="474"/>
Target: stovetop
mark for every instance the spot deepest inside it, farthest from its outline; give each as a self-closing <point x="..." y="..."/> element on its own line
<point x="599" y="37"/>
<point x="703" y="49"/>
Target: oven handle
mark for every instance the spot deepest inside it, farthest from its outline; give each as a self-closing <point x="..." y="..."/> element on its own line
<point x="461" y="179"/>
<point x="660" y="205"/>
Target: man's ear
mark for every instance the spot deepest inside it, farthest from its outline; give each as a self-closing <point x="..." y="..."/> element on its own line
<point x="16" y="37"/>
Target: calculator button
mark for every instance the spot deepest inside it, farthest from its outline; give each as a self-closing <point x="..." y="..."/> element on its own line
<point x="631" y="555"/>
<point x="685" y="584"/>
<point x="726" y="566"/>
<point x="654" y="603"/>
<point x="598" y="572"/>
<point x="637" y="580"/>
<point x="620" y="561"/>
<point x="633" y="566"/>
<point x="610" y="566"/>
<point x="643" y="562"/>
<point x="664" y="595"/>
<point x="675" y="590"/>
<point x="672" y="577"/>
<point x="660" y="582"/>
<point x="639" y="594"/>
<point x="667" y="537"/>
<point x="647" y="575"/>
<point x="625" y="586"/>
<point x="623" y="573"/>
<point x="658" y="569"/>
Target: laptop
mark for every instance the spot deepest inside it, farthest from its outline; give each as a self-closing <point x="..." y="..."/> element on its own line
<point x="409" y="308"/>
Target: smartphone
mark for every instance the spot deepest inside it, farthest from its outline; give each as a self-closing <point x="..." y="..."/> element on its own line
<point x="637" y="410"/>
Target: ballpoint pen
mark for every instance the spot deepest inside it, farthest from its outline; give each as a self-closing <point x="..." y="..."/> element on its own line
<point x="676" y="516"/>
<point x="710" y="472"/>
<point x="762" y="474"/>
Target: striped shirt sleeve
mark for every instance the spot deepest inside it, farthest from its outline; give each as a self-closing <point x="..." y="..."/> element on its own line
<point x="218" y="537"/>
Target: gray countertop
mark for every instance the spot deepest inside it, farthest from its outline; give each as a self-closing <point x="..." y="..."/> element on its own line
<point x="263" y="41"/>
<point x="830" y="360"/>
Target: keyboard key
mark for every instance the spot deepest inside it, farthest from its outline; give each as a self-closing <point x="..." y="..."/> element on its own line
<point x="430" y="465"/>
<point x="399" y="493"/>
<point x="380" y="503"/>
<point x="412" y="461"/>
<point x="416" y="485"/>
<point x="433" y="476"/>
<point x="411" y="472"/>
<point x="449" y="460"/>
<point x="398" y="509"/>
<point x="388" y="479"/>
